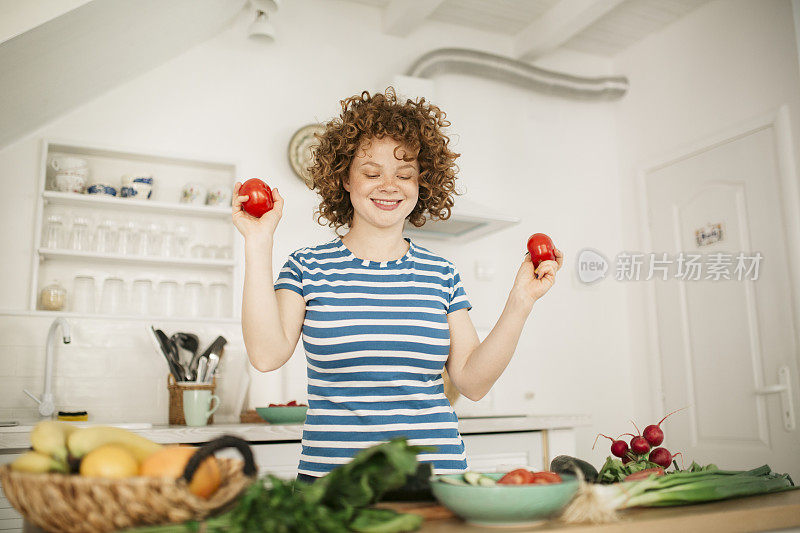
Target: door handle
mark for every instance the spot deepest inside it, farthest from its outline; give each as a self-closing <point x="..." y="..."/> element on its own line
<point x="784" y="388"/>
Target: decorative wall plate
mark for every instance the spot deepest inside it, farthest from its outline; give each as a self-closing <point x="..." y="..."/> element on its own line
<point x="300" y="151"/>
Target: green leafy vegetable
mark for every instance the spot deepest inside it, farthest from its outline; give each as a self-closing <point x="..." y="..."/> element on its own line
<point x="335" y="503"/>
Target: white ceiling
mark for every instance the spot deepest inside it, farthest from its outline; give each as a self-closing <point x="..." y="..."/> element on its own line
<point x="599" y="27"/>
<point x="58" y="54"/>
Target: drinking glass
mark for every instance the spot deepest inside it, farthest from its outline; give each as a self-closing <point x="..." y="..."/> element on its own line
<point x="169" y="243"/>
<point x="193" y="298"/>
<point x="141" y="290"/>
<point x="182" y="236"/>
<point x="199" y="251"/>
<point x="83" y="294"/>
<point x="54" y="233"/>
<point x="219" y="300"/>
<point x="80" y="236"/>
<point x="105" y="238"/>
<point x="168" y="297"/>
<point x="112" y="301"/>
<point x="151" y="240"/>
<point x="128" y="241"/>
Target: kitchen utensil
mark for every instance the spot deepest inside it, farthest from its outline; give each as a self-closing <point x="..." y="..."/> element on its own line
<point x="213" y="362"/>
<point x="186" y="342"/>
<point x="215" y="347"/>
<point x="172" y="352"/>
<point x="201" y="370"/>
<point x="161" y="346"/>
<point x="504" y="505"/>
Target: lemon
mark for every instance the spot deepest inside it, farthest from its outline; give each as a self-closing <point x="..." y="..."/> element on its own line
<point x="109" y="461"/>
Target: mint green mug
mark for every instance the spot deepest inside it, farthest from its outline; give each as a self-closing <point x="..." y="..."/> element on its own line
<point x="197" y="406"/>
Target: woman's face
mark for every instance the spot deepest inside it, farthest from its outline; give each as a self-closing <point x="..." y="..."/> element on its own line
<point x="383" y="188"/>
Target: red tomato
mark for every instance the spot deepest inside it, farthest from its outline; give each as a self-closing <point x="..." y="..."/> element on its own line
<point x="520" y="476"/>
<point x="644" y="474"/>
<point x="541" y="248"/>
<point x="293" y="403"/>
<point x="546" y="477"/>
<point x="259" y="199"/>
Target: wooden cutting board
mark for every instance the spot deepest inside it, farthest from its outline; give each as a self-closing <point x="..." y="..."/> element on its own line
<point x="427" y="510"/>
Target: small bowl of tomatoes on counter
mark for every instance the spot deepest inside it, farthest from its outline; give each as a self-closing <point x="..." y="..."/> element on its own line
<point x="516" y="498"/>
<point x="283" y="413"/>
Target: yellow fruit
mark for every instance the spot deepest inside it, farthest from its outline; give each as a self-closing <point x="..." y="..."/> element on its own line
<point x="37" y="463"/>
<point x="50" y="437"/>
<point x="170" y="461"/>
<point x="84" y="440"/>
<point x="109" y="461"/>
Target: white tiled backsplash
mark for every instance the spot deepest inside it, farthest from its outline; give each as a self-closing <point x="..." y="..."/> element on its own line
<point x="112" y="370"/>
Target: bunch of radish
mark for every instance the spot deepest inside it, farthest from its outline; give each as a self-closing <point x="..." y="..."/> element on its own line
<point x="644" y="445"/>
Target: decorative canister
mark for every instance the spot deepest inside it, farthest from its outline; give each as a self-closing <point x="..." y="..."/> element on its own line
<point x="101" y="188"/>
<point x="219" y="195"/>
<point x="194" y="193"/>
<point x="137" y="186"/>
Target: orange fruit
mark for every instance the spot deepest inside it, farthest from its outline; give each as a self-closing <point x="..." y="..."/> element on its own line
<point x="170" y="461"/>
<point x="109" y="461"/>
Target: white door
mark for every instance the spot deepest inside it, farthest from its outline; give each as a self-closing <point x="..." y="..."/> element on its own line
<point x="723" y="343"/>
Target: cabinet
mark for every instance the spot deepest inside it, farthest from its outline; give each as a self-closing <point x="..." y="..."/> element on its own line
<point x="186" y="243"/>
<point x="10" y="519"/>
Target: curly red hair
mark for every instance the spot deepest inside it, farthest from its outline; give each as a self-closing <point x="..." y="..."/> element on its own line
<point x="417" y="125"/>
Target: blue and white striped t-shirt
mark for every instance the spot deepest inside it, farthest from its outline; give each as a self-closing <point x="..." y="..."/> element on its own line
<point x="376" y="340"/>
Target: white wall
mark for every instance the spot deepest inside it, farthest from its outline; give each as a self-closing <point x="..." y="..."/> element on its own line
<point x="551" y="162"/>
<point x="727" y="62"/>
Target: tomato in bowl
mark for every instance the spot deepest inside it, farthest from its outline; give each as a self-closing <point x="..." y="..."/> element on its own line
<point x="492" y="503"/>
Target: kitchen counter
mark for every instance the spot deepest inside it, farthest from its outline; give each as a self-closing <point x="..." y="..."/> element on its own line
<point x="18" y="438"/>
<point x="754" y="513"/>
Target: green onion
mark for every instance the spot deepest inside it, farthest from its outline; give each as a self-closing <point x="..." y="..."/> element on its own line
<point x="599" y="503"/>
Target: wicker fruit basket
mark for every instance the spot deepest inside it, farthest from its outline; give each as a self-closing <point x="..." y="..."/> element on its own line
<point x="73" y="503"/>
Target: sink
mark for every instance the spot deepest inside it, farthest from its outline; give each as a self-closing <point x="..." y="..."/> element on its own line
<point x="27" y="426"/>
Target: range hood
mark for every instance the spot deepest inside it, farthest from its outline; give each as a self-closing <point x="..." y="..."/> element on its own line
<point x="468" y="221"/>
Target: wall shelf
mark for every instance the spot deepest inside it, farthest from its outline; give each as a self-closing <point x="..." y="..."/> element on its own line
<point x="133" y="205"/>
<point x="45" y="254"/>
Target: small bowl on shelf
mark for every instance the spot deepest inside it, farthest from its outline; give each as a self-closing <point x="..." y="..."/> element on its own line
<point x="283" y="415"/>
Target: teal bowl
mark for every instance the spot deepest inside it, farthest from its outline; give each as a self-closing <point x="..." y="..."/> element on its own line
<point x="283" y="415"/>
<point x="504" y="505"/>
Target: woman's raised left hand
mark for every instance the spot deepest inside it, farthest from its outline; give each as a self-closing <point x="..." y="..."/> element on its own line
<point x="533" y="285"/>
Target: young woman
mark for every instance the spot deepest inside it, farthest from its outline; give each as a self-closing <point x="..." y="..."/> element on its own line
<point x="381" y="316"/>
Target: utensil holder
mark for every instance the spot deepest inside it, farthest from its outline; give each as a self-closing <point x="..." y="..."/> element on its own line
<point x="176" y="389"/>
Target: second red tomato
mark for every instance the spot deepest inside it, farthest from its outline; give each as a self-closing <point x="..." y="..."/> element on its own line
<point x="259" y="199"/>
<point x="541" y="248"/>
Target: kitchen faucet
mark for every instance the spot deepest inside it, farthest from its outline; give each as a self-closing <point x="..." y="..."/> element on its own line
<point x="46" y="405"/>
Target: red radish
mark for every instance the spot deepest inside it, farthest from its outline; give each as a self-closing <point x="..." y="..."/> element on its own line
<point x="618" y="447"/>
<point x="653" y="432"/>
<point x="661" y="457"/>
<point x="626" y="460"/>
<point x="639" y="445"/>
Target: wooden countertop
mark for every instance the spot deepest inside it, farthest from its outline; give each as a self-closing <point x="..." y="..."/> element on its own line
<point x="753" y="513"/>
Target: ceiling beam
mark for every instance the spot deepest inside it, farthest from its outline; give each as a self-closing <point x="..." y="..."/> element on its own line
<point x="558" y="25"/>
<point x="401" y="17"/>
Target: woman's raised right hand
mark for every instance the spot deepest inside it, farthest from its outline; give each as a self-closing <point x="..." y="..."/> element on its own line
<point x="256" y="229"/>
